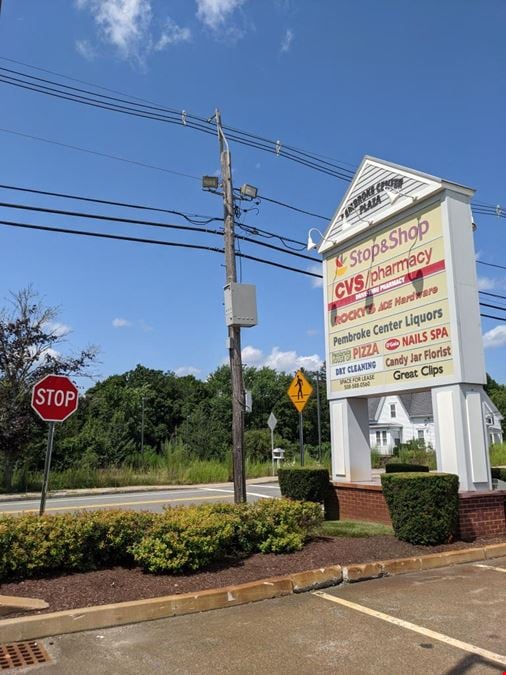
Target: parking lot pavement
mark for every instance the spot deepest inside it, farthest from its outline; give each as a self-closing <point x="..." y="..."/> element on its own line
<point x="449" y="620"/>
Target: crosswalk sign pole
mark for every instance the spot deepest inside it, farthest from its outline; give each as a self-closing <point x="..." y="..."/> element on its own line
<point x="301" y="438"/>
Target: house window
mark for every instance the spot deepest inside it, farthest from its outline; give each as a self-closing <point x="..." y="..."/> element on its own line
<point x="393" y="412"/>
<point x="378" y="438"/>
<point x="384" y="433"/>
<point x="421" y="435"/>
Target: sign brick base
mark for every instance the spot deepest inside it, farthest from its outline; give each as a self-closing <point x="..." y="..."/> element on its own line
<point x="481" y="514"/>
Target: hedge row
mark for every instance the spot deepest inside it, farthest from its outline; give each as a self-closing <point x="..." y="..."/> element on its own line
<point x="499" y="473"/>
<point x="398" y="467"/>
<point x="309" y="484"/>
<point x="177" y="540"/>
<point x="423" y="506"/>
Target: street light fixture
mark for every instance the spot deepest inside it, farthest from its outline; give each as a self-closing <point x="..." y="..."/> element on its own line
<point x="210" y="182"/>
<point x="249" y="191"/>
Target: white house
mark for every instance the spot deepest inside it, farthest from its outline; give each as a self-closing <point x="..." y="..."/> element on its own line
<point x="399" y="419"/>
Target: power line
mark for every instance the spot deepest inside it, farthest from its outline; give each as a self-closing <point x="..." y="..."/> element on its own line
<point x="493" y="295"/>
<point x="126" y="160"/>
<point x="489" y="316"/>
<point x="293" y="208"/>
<point x="107" y="202"/>
<point x="143" y="165"/>
<point x="114" y="219"/>
<point x="114" y="104"/>
<point x="278" y="147"/>
<point x="484" y="304"/>
<point x="150" y="223"/>
<point x="100" y="154"/>
<point x="482" y="262"/>
<point x="190" y="217"/>
<point x="143" y="240"/>
<point x="146" y="108"/>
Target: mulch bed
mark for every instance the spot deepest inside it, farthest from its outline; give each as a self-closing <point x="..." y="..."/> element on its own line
<point x="120" y="584"/>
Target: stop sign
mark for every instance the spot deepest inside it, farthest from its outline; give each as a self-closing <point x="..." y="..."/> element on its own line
<point x="54" y="398"/>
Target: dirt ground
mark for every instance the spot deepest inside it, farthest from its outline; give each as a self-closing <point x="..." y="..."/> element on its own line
<point x="120" y="584"/>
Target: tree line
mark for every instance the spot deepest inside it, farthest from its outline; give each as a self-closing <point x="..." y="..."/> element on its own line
<point x="129" y="416"/>
<point x="126" y="418"/>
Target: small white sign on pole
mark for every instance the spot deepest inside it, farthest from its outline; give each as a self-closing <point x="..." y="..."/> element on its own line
<point x="272" y="421"/>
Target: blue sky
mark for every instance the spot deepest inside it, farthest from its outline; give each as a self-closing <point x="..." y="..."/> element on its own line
<point x="419" y="84"/>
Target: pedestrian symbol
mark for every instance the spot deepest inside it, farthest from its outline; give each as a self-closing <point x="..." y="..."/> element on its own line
<point x="299" y="391"/>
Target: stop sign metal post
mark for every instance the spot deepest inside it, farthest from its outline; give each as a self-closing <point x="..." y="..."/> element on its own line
<point x="54" y="399"/>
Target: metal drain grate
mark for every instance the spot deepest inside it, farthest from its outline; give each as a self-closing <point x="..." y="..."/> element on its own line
<point x="22" y="654"/>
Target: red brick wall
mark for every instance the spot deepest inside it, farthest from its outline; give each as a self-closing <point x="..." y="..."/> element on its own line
<point x="362" y="502"/>
<point x="481" y="514"/>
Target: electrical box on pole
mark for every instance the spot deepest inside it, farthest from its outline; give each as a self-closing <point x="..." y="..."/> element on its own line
<point x="240" y="305"/>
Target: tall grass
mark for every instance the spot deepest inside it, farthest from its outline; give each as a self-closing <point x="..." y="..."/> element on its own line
<point x="498" y="454"/>
<point x="174" y="466"/>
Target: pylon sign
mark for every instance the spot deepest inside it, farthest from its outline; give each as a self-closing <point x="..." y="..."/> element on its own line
<point x="300" y="391"/>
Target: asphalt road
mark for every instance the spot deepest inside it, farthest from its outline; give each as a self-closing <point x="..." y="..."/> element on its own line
<point x="142" y="501"/>
<point x="450" y="621"/>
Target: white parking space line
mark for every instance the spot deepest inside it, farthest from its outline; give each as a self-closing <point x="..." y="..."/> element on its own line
<point x="489" y="567"/>
<point x="251" y="494"/>
<point x="427" y="632"/>
<point x="272" y="487"/>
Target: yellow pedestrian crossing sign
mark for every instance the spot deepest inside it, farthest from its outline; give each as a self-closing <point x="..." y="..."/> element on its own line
<point x="299" y="391"/>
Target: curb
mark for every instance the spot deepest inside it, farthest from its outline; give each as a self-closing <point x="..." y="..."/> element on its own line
<point x="126" y="489"/>
<point x="119" y="614"/>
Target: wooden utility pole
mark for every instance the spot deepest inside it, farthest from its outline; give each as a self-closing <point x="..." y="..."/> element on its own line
<point x="234" y="332"/>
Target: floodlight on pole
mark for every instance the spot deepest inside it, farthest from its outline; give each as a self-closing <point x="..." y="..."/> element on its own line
<point x="249" y="191"/>
<point x="210" y="182"/>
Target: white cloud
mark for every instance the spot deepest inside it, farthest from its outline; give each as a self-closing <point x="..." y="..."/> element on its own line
<point x="214" y="13"/>
<point x="496" y="337"/>
<point x="489" y="284"/>
<point x="58" y="329"/>
<point x="85" y="49"/>
<point x="312" y="331"/>
<point x="315" y="268"/>
<point x="127" y="25"/>
<point x="485" y="284"/>
<point x="187" y="370"/>
<point x="251" y="356"/>
<point x="121" y="323"/>
<point x="172" y="34"/>
<point x="284" y="362"/>
<point x="123" y="23"/>
<point x="287" y="40"/>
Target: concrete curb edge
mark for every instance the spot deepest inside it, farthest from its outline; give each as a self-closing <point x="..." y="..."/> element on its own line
<point x="118" y="614"/>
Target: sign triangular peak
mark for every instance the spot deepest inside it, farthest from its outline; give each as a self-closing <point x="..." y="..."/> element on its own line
<point x="378" y="190"/>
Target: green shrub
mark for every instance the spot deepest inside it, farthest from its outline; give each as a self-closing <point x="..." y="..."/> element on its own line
<point x="177" y="540"/>
<point x="187" y="539"/>
<point x="397" y="467"/>
<point x="423" y="506"/>
<point x="305" y="484"/>
<point x="71" y="542"/>
<point x="281" y="525"/>
<point x="499" y="472"/>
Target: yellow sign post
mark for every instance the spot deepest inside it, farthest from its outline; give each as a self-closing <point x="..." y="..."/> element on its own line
<point x="299" y="392"/>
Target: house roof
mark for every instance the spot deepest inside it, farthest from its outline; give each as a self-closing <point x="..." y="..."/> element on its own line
<point x="417" y="404"/>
